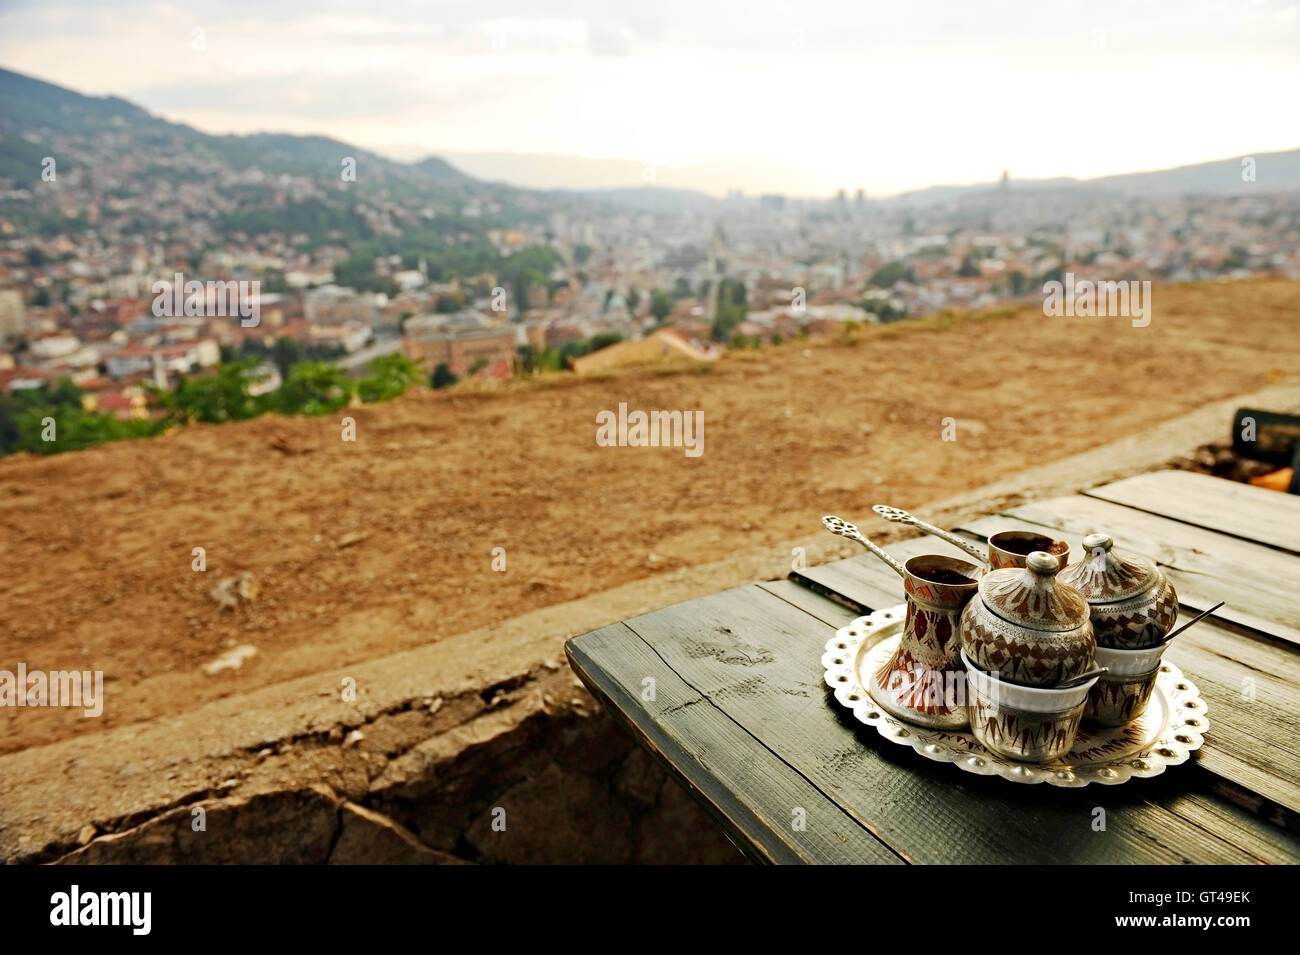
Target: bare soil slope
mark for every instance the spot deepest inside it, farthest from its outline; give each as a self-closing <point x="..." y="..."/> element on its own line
<point x="368" y="547"/>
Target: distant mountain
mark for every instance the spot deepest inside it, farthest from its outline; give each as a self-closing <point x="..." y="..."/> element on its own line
<point x="26" y="101"/>
<point x="105" y="135"/>
<point x="536" y="171"/>
<point x="1274" y="172"/>
<point x="656" y="199"/>
<point x="120" y="150"/>
<point x="697" y="187"/>
<point x="712" y="178"/>
<point x="35" y="114"/>
<point x="439" y="169"/>
<point x="126" y="178"/>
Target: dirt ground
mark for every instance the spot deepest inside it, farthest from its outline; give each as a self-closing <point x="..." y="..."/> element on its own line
<point x="368" y="547"/>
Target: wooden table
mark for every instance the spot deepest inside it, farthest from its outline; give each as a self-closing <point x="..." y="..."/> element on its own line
<point x="740" y="715"/>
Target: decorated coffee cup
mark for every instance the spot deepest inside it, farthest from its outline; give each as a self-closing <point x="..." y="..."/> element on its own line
<point x="1121" y="695"/>
<point x="1012" y="548"/>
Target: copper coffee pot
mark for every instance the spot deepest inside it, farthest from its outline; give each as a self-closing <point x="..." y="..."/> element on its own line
<point x="924" y="682"/>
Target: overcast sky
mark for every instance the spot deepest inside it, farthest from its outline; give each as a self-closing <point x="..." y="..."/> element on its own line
<point x="884" y="96"/>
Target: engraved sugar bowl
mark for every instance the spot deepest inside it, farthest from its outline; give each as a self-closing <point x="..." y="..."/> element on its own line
<point x="1132" y="602"/>
<point x="1025" y="627"/>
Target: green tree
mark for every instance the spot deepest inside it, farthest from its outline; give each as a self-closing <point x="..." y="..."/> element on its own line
<point x="273" y="281"/>
<point x="74" y="429"/>
<point x="530" y="266"/>
<point x="23" y="414"/>
<point x="286" y="352"/>
<point x="358" y="271"/>
<point x="442" y="376"/>
<point x="221" y="396"/>
<point x="531" y="360"/>
<point x="387" y="377"/>
<point x="452" y="301"/>
<point x="731" y="310"/>
<point x="661" y="306"/>
<point x="888" y="275"/>
<point x="313" y="388"/>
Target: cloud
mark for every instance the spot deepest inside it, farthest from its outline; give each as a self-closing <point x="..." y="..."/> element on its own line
<point x="608" y="39"/>
<point x="874" y="93"/>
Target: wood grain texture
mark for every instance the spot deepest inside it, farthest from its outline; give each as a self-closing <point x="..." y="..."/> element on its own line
<point x="744" y="787"/>
<point x="1251" y="513"/>
<point x="749" y="660"/>
<point x="755" y="656"/>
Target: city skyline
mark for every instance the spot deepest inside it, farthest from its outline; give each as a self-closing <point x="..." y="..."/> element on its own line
<point x="869" y="98"/>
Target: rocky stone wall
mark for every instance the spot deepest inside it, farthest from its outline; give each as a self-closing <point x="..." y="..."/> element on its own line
<point x="534" y="773"/>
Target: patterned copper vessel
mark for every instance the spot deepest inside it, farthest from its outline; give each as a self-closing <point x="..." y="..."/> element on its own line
<point x="1012" y="548"/>
<point x="1026" y="627"/>
<point x="1133" y="603"/>
<point x="924" y="682"/>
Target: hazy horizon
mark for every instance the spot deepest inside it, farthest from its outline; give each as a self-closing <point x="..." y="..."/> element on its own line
<point x="801" y="100"/>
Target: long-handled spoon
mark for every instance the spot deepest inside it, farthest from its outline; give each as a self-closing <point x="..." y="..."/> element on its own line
<point x="899" y="516"/>
<point x="1197" y="619"/>
<point x="1082" y="677"/>
<point x="845" y="529"/>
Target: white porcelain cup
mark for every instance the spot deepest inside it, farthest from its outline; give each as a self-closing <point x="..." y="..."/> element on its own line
<point x="1128" y="663"/>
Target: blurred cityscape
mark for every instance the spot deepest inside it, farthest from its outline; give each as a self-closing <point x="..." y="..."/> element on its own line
<point x="357" y="257"/>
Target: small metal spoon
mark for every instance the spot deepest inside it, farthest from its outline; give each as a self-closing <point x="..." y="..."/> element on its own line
<point x="1082" y="677"/>
<point x="845" y="529"/>
<point x="899" y="516"/>
<point x="1197" y="619"/>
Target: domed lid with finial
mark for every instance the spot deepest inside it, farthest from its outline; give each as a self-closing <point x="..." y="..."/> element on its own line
<point x="1106" y="574"/>
<point x="1031" y="597"/>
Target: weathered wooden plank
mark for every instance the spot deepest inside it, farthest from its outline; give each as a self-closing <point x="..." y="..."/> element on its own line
<point x="1259" y="583"/>
<point x="1255" y="836"/>
<point x="837" y="582"/>
<point x="830" y="612"/>
<point x="1254" y="738"/>
<point x="756" y="658"/>
<point x="751" y="793"/>
<point x="1259" y="704"/>
<point x="1251" y="513"/>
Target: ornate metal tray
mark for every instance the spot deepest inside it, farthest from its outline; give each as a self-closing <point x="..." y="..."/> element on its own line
<point x="1173" y="725"/>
